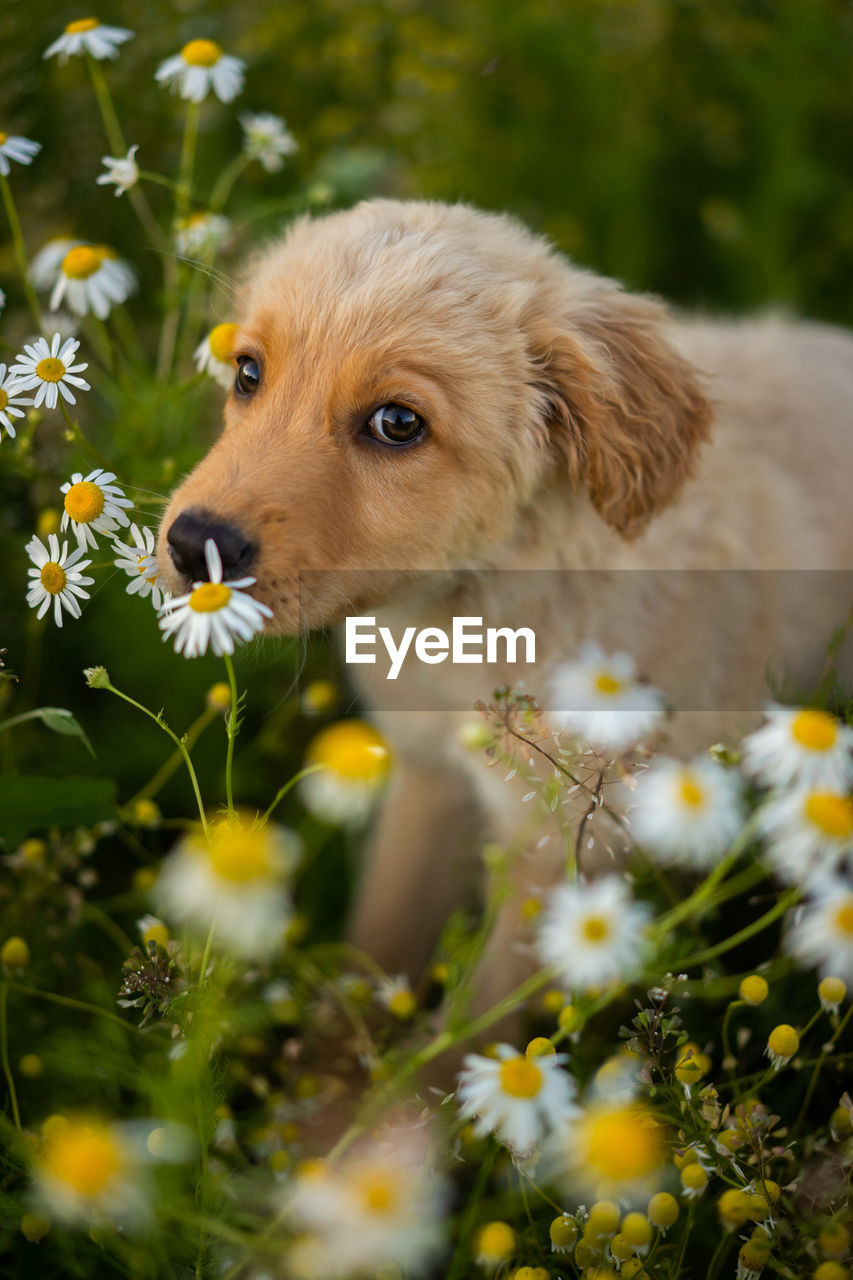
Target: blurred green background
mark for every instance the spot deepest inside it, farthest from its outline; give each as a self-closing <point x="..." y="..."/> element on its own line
<point x="700" y="150"/>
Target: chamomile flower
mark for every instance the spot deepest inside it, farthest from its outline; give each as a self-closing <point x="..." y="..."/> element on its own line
<point x="88" y="35"/>
<point x="87" y="1169"/>
<point x="50" y="369"/>
<point x="396" y="995"/>
<point x="140" y="563"/>
<point x="266" y="138"/>
<point x="200" y="233"/>
<point x="355" y="763"/>
<point x="687" y="813"/>
<point x="21" y="150"/>
<point x="800" y="745"/>
<point x="593" y="934"/>
<point x="822" y="933"/>
<point x="93" y="504"/>
<point x="199" y="67"/>
<point x="215" y="354"/>
<point x="213" y="613"/>
<point x="613" y="1150"/>
<point x="517" y="1097"/>
<point x="237" y="878"/>
<point x="382" y="1207"/>
<point x="808" y="831"/>
<point x="599" y="699"/>
<point x="12" y="404"/>
<point x="57" y="577"/>
<point x="92" y="278"/>
<point x="121" y="170"/>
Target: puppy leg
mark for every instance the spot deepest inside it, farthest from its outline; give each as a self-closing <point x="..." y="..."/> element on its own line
<point x="421" y="864"/>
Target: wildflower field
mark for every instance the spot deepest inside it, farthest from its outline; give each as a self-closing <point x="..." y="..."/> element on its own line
<point x="200" y="1076"/>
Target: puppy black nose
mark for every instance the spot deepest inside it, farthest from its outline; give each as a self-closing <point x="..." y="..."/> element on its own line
<point x="190" y="532"/>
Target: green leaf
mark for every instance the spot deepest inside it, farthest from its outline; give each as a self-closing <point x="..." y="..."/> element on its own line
<point x="29" y="803"/>
<point x="55" y="718"/>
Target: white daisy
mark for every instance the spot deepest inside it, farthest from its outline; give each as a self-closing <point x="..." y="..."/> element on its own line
<point x="384" y="1206"/>
<point x="808" y="831"/>
<point x="266" y="138"/>
<point x="593" y="934"/>
<point x="21" y="150"/>
<point x="599" y="699"/>
<point x="92" y="278"/>
<point x="44" y="268"/>
<point x="93" y="504"/>
<point x="518" y="1098"/>
<point x="57" y="576"/>
<point x="822" y="933"/>
<point x="235" y="878"/>
<point x="199" y="67"/>
<point x="88" y="35"/>
<point x="395" y="994"/>
<point x="611" y="1150"/>
<point x="355" y="762"/>
<point x="88" y="1170"/>
<point x="123" y="171"/>
<point x="687" y="813"/>
<point x="213" y="613"/>
<point x="140" y="563"/>
<point x="200" y="232"/>
<point x="12" y="405"/>
<point x="49" y="368"/>
<point x="215" y="354"/>
<point x="800" y="745"/>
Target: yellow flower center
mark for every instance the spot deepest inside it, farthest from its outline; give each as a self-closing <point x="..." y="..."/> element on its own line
<point x="53" y="577"/>
<point x="620" y="1144"/>
<point x="82" y="24"/>
<point x="4" y="399"/>
<point x="595" y="929"/>
<point x="815" y="730"/>
<point x="3" y="137"/>
<point x="144" y="565"/>
<point x="201" y="53"/>
<point x="84" y="501"/>
<point x="690" y="792"/>
<point x="844" y="918"/>
<point x="81" y="262"/>
<point x="221" y="342"/>
<point x="607" y="683"/>
<point x="210" y="597"/>
<point x="403" y="1005"/>
<point x="352" y="749"/>
<point x="520" y="1078"/>
<point x="86" y="1157"/>
<point x="831" y="813"/>
<point x="378" y="1191"/>
<point x="50" y="369"/>
<point x="239" y="851"/>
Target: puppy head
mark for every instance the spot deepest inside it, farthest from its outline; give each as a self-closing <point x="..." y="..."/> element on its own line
<point x="409" y="377"/>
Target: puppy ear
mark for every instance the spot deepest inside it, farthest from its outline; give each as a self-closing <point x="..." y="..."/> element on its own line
<point x="624" y="407"/>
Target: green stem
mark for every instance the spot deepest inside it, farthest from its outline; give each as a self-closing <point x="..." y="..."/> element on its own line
<point x="818" y="1067"/>
<point x="68" y="1003"/>
<point x="743" y="935"/>
<point x="77" y="436"/>
<point x="177" y="741"/>
<point x="164" y="773"/>
<point x="20" y="252"/>
<point x="222" y="189"/>
<point x="288" y="786"/>
<point x="4" y="1054"/>
<point x="460" y="1263"/>
<point x="187" y="163"/>
<point x="728" y="1057"/>
<point x="232" y="727"/>
<point x="205" y="959"/>
<point x="716" y="1256"/>
<point x="699" y="900"/>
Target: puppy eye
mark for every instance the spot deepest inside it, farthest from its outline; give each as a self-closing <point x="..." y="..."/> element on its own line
<point x="395" y="424"/>
<point x="248" y="377"/>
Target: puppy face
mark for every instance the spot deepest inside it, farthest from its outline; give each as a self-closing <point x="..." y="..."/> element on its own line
<point x="410" y="376"/>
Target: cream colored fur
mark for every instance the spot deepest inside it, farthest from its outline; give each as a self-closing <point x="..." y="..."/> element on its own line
<point x="571" y="426"/>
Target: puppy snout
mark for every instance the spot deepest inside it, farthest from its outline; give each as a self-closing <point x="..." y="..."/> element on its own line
<point x="187" y="537"/>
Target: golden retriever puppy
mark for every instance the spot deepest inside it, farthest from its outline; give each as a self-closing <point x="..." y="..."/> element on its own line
<point x="436" y="415"/>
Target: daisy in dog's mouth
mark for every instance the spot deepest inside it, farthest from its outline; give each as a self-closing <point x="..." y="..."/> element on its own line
<point x="214" y="613"/>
